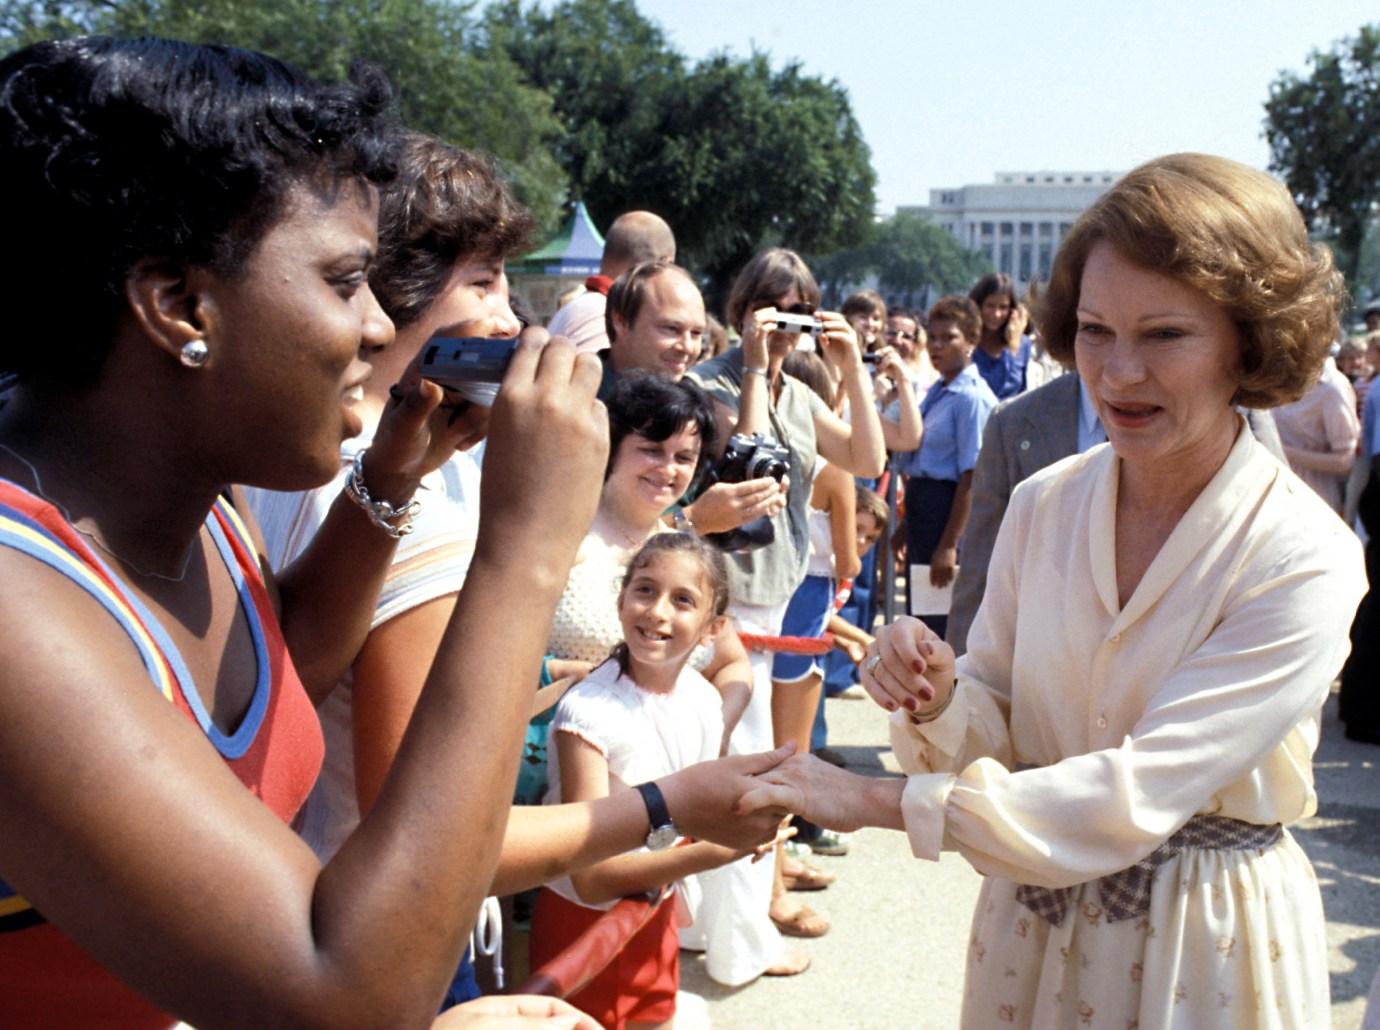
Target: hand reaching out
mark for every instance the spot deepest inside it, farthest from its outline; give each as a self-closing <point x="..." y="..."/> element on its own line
<point x="822" y="793"/>
<point x="701" y="800"/>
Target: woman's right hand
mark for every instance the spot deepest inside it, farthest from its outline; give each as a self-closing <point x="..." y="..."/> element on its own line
<point x="1016" y="325"/>
<point x="890" y="365"/>
<point x="908" y="667"/>
<point x="815" y="790"/>
<point x="755" y="333"/>
<point x="548" y="446"/>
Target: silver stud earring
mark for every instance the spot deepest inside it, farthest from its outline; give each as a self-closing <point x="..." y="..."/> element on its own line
<point x="194" y="353"/>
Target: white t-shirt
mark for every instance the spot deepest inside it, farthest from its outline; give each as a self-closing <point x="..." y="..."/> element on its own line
<point x="642" y="735"/>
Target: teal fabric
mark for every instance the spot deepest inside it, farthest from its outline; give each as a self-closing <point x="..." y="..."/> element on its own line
<point x="531" y="781"/>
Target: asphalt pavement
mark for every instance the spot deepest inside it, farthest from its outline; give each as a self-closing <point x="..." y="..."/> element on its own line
<point x="894" y="956"/>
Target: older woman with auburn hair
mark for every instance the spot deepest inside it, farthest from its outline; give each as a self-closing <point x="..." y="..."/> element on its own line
<point x="1140" y="698"/>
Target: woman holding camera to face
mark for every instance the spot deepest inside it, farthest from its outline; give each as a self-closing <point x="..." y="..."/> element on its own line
<point x="750" y="390"/>
<point x="1133" y="724"/>
<point x="217" y="323"/>
<point x="1003" y="348"/>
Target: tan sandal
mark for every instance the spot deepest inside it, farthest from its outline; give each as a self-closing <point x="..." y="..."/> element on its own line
<point x="810" y="878"/>
<point x="803" y="922"/>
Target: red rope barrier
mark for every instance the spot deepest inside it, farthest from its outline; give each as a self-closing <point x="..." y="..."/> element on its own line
<point x="589" y="954"/>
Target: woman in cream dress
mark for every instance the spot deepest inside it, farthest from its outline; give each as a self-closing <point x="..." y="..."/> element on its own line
<point x="1140" y="700"/>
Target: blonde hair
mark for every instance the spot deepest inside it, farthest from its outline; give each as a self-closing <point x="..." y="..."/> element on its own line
<point x="1230" y="232"/>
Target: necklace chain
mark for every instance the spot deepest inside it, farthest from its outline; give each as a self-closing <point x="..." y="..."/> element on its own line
<point x="91" y="535"/>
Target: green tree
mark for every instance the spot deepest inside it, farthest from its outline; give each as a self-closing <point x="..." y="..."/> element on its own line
<point x="450" y="81"/>
<point x="913" y="253"/>
<point x="757" y="158"/>
<point x="734" y="155"/>
<point x="912" y="258"/>
<point x="608" y="71"/>
<point x="1324" y="136"/>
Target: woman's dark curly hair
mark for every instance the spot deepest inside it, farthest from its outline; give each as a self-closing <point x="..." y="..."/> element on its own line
<point x="446" y="204"/>
<point x="114" y="152"/>
<point x="657" y="407"/>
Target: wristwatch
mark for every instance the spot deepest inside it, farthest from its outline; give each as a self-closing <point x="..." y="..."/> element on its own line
<point x="663" y="832"/>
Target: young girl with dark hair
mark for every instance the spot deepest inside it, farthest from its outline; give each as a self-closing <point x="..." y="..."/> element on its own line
<point x="644" y="713"/>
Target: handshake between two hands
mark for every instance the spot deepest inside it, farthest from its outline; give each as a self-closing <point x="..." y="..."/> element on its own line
<point x="908" y="668"/>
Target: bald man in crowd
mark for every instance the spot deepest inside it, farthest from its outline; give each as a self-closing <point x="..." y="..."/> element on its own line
<point x="633" y="238"/>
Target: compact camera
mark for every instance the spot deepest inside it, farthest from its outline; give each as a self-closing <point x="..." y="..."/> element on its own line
<point x="472" y="366"/>
<point x="453" y="360"/>
<point x="749" y="457"/>
<point x="786" y="322"/>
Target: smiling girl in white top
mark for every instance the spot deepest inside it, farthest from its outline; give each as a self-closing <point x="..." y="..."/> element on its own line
<point x="642" y="714"/>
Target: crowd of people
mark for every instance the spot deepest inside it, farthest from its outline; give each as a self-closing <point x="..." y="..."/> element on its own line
<point x="415" y="644"/>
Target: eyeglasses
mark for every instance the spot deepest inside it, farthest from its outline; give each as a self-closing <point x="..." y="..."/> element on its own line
<point x="900" y="334"/>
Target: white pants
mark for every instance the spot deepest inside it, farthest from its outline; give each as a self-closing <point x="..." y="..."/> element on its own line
<point x="732" y="925"/>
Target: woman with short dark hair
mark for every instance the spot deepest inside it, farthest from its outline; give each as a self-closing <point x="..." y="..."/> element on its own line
<point x="192" y="234"/>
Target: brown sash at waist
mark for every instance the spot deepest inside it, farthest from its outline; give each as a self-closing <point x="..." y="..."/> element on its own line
<point x="1126" y="894"/>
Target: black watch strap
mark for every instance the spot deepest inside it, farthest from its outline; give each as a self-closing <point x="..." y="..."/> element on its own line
<point x="658" y="815"/>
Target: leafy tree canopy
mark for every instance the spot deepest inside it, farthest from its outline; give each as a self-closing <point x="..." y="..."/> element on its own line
<point x="914" y="260"/>
<point x="1324" y="136"/>
<point x="736" y="156"/>
<point x="579" y="95"/>
<point x="450" y="82"/>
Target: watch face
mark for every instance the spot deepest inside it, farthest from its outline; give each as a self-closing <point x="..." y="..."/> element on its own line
<point x="662" y="837"/>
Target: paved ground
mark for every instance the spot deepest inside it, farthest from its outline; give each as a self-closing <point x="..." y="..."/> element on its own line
<point x="894" y="957"/>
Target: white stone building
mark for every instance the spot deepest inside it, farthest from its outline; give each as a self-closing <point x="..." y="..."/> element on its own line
<point x="1017" y="220"/>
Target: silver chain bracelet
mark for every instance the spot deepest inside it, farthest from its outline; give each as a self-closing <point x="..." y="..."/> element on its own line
<point x="396" y="522"/>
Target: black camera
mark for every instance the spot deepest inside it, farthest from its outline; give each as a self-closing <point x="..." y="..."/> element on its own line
<point x="452" y="360"/>
<point x="749" y="457"/>
<point x="752" y="457"/>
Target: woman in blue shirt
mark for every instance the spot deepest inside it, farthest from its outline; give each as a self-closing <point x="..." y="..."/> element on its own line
<point x="1003" y="349"/>
<point x="940" y="474"/>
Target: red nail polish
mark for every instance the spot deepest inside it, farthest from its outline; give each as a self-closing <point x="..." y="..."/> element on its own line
<point x="918" y="666"/>
<point x="928" y="695"/>
<point x="912" y="704"/>
<point x="891" y="706"/>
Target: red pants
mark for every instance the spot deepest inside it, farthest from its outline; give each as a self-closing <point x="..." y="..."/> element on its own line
<point x="638" y="985"/>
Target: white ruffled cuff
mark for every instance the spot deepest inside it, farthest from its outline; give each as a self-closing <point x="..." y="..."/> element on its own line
<point x="922" y="810"/>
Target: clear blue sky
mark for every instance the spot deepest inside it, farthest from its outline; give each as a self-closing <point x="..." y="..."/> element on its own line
<point x="947" y="96"/>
